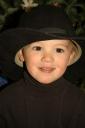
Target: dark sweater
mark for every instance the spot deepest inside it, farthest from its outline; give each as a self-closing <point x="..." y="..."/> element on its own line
<point x="29" y="104"/>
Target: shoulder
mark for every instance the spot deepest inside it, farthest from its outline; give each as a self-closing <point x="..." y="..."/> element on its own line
<point x="72" y="92"/>
<point x="12" y="99"/>
<point x="12" y="90"/>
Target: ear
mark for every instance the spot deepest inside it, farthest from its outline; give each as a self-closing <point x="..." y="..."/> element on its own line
<point x="20" y="55"/>
<point x="71" y="58"/>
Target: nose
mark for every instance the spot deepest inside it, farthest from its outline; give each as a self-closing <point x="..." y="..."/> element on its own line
<point x="47" y="57"/>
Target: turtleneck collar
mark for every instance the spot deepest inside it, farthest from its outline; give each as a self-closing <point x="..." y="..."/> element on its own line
<point x="36" y="88"/>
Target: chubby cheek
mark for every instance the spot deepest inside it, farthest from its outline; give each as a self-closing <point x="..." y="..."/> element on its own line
<point x="61" y="65"/>
<point x="31" y="62"/>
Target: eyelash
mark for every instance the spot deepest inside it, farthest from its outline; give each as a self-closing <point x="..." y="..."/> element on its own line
<point x="37" y="48"/>
<point x="59" y="50"/>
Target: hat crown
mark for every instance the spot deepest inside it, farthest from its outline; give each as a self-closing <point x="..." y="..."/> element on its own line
<point x="42" y="17"/>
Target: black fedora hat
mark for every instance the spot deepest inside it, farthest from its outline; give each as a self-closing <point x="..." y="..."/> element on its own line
<point x="40" y="23"/>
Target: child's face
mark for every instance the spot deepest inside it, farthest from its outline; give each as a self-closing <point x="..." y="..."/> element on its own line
<point x="47" y="61"/>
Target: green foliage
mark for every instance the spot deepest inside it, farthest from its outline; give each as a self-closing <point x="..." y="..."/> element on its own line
<point x="6" y="8"/>
<point x="76" y="12"/>
<point x="82" y="85"/>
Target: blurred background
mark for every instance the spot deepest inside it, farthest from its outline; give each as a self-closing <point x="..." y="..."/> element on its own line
<point x="10" y="11"/>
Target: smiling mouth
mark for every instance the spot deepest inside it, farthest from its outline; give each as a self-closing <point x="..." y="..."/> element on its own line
<point x="46" y="69"/>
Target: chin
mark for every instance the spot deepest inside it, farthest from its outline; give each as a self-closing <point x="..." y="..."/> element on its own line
<point x="46" y="81"/>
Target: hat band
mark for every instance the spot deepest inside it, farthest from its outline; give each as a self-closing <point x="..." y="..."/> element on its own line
<point x="53" y="31"/>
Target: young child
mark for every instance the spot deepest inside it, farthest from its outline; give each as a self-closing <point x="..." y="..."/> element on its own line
<point x="43" y="46"/>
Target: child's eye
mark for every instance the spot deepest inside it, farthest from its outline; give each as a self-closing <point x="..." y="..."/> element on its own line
<point x="59" y="50"/>
<point x="37" y="48"/>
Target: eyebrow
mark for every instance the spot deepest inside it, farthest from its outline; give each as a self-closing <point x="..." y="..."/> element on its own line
<point x="64" y="45"/>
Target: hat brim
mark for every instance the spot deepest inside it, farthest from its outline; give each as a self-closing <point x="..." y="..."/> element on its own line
<point x="14" y="39"/>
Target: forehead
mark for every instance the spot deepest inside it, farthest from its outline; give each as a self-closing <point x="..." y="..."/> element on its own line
<point x="53" y="42"/>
